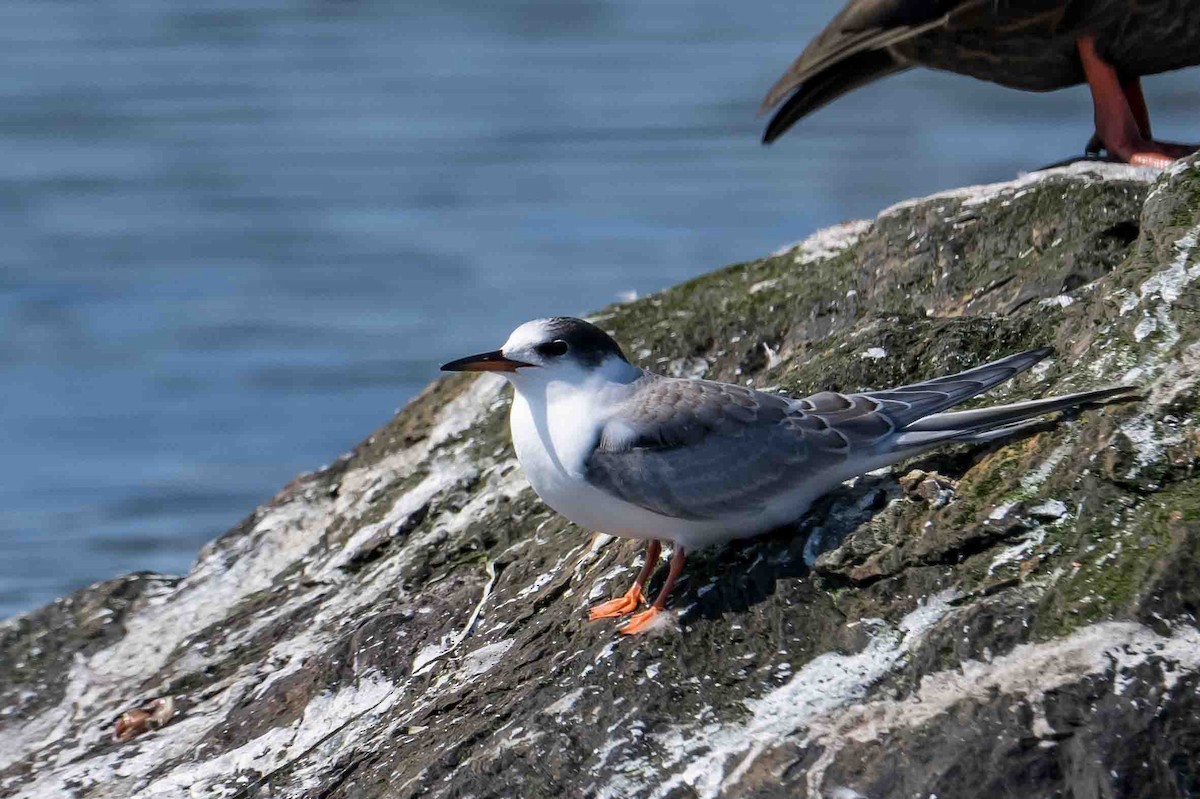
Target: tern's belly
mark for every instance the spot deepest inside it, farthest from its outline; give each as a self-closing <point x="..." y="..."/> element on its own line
<point x="557" y="477"/>
<point x="573" y="497"/>
<point x="594" y="510"/>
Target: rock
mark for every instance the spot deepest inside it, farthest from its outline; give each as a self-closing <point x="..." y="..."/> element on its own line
<point x="1019" y="621"/>
<point x="1051" y="509"/>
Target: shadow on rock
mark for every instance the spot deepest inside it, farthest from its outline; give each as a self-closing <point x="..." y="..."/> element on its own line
<point x="737" y="577"/>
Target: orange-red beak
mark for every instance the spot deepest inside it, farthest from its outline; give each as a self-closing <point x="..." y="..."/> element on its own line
<point x="484" y="362"/>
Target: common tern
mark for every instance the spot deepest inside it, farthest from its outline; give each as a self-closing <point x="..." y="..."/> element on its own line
<point x="624" y="451"/>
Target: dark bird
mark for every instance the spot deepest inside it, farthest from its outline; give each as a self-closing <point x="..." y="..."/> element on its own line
<point x="1035" y="45"/>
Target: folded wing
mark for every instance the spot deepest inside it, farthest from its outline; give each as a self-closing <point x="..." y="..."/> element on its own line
<point x="852" y="51"/>
<point x="696" y="449"/>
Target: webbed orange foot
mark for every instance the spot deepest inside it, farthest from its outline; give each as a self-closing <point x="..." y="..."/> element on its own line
<point x="1141" y="152"/>
<point x="641" y="622"/>
<point x="1153" y="153"/>
<point x="617" y="607"/>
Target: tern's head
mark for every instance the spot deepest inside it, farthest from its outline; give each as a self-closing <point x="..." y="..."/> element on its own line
<point x="561" y="348"/>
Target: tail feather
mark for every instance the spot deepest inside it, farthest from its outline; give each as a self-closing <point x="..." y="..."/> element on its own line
<point x="1004" y="431"/>
<point x="986" y="424"/>
<point x="906" y="405"/>
<point x="856" y="48"/>
<point x="828" y="85"/>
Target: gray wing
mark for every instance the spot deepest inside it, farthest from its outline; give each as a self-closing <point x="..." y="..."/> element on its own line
<point x="907" y="404"/>
<point x="695" y="449"/>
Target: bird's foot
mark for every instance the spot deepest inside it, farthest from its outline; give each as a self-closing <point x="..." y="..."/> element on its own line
<point x="641" y="622"/>
<point x="1158" y="153"/>
<point x="617" y="607"/>
<point x="1143" y="152"/>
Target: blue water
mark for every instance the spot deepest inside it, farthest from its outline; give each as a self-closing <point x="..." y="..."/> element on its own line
<point x="238" y="235"/>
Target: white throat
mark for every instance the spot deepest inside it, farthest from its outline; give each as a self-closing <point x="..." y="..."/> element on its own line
<point x="557" y="415"/>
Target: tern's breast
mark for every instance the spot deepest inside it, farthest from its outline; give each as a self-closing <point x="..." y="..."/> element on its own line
<point x="553" y="450"/>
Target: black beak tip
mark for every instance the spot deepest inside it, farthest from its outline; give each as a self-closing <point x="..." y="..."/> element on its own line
<point x="494" y="361"/>
<point x="460" y="365"/>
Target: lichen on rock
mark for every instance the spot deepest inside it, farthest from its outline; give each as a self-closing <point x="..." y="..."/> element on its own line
<point x="1015" y="619"/>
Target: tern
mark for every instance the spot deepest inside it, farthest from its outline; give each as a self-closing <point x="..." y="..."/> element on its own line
<point x="624" y="451"/>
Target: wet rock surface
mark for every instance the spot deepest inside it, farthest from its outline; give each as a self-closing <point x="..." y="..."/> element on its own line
<point x="1011" y="620"/>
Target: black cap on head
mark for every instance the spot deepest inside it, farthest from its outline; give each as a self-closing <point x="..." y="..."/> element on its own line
<point x="587" y="343"/>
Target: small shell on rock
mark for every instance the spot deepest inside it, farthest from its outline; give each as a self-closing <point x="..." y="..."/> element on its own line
<point x="149" y="716"/>
<point x="929" y="486"/>
<point x="910" y="481"/>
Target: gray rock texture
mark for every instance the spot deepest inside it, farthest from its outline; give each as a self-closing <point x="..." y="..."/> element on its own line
<point x="1016" y="620"/>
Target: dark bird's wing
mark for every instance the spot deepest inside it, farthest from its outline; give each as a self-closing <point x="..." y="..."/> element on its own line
<point x="853" y="51"/>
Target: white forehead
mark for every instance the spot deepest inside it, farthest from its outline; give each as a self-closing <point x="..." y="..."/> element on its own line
<point x="527" y="335"/>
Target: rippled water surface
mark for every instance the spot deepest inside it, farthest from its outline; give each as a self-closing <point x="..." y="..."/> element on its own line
<point x="238" y="235"/>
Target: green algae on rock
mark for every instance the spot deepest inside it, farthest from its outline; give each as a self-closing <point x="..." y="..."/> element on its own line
<point x="1017" y="619"/>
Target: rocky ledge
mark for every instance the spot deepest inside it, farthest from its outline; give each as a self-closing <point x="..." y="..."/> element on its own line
<point x="1011" y="620"/>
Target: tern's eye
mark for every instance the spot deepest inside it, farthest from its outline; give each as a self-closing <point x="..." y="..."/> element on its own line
<point x="552" y="349"/>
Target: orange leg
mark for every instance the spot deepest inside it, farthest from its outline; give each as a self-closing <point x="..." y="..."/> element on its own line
<point x="633" y="597"/>
<point x="642" y="621"/>
<point x="1132" y="89"/>
<point x="1122" y="120"/>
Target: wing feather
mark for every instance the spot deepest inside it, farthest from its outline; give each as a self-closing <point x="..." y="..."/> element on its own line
<point x="861" y="26"/>
<point x="695" y="449"/>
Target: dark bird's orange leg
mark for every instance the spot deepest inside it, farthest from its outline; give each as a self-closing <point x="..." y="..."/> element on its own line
<point x="1141" y="115"/>
<point x="633" y="597"/>
<point x="1132" y="89"/>
<point x="642" y="620"/>
<point x="1122" y="120"/>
